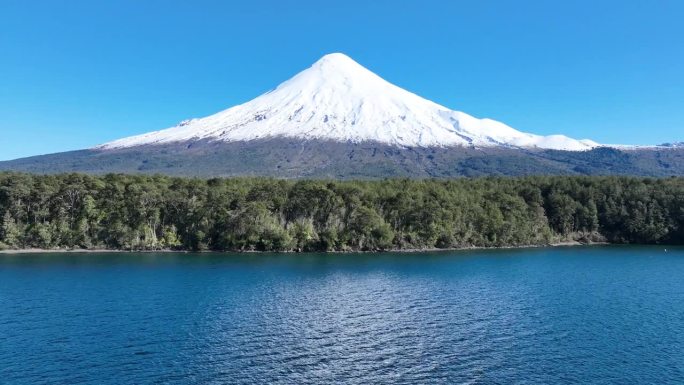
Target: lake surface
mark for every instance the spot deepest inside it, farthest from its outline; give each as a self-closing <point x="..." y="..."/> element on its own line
<point x="581" y="315"/>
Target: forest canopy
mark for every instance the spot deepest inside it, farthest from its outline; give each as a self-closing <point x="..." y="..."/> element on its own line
<point x="132" y="212"/>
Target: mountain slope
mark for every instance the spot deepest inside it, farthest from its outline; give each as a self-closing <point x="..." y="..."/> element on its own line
<point x="339" y="120"/>
<point x="293" y="158"/>
<point x="338" y="99"/>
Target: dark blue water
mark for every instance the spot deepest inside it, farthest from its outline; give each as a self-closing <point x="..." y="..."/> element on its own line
<point x="601" y="315"/>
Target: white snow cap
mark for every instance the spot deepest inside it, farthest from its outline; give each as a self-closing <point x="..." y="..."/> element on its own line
<point x="338" y="99"/>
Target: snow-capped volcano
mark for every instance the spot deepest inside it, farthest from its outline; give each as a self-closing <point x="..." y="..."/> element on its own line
<point x="338" y="99"/>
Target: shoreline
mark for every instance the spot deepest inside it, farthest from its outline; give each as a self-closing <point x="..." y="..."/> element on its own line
<point x="419" y="250"/>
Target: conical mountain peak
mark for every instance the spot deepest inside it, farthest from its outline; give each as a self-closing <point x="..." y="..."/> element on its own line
<point x="339" y="64"/>
<point x="338" y="99"/>
<point x="336" y="59"/>
<point x="337" y="73"/>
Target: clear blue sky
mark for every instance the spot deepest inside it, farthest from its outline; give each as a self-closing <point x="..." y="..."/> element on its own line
<point x="75" y="73"/>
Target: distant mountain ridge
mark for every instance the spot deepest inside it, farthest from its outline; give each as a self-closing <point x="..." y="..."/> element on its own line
<point x="337" y="119"/>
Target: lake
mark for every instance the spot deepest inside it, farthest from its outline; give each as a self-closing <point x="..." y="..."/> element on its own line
<point x="575" y="315"/>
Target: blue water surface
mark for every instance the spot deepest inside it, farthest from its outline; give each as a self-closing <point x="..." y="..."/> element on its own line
<point x="580" y="315"/>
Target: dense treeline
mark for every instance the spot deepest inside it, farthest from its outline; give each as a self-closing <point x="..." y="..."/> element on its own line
<point x="159" y="212"/>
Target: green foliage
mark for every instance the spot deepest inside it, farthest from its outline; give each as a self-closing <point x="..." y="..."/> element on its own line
<point x="169" y="237"/>
<point x="10" y="233"/>
<point x="159" y="212"/>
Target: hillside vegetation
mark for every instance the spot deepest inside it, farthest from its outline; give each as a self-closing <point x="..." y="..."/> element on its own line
<point x="159" y="212"/>
<point x="318" y="159"/>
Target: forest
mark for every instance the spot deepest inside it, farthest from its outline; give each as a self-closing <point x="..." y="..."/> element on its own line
<point x="136" y="212"/>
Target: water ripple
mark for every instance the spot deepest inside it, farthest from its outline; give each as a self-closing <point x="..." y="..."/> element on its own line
<point x="585" y="316"/>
